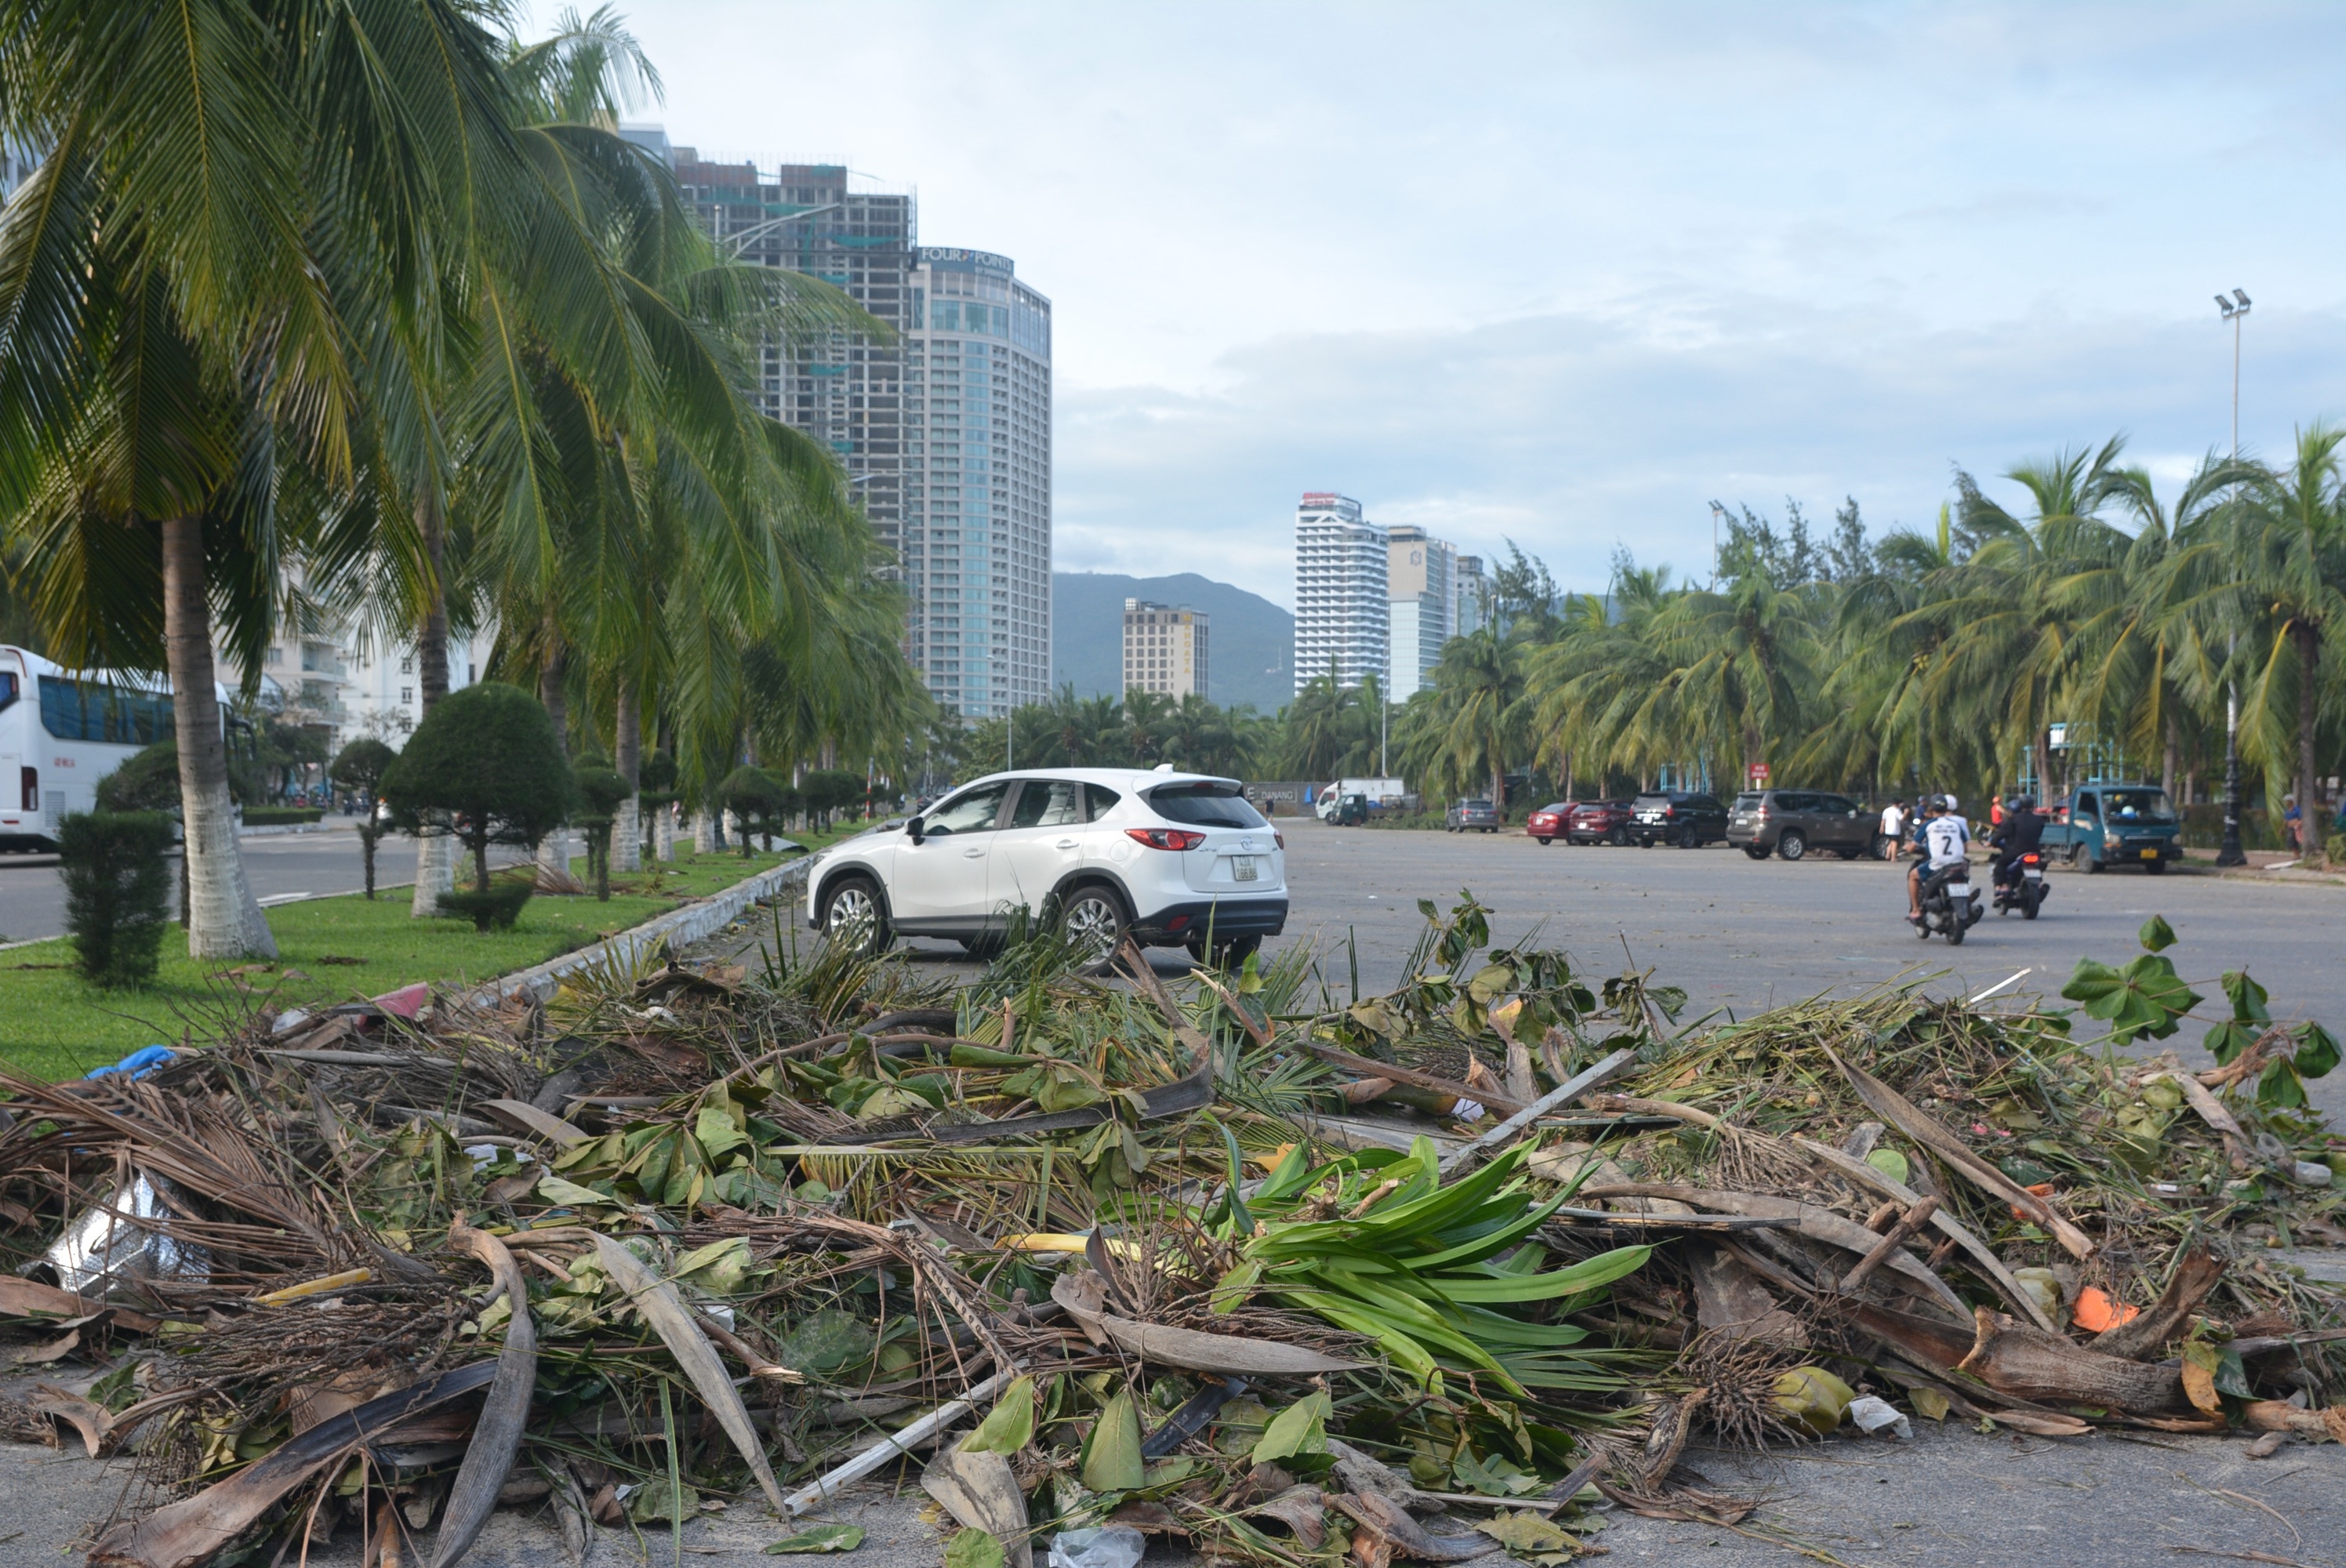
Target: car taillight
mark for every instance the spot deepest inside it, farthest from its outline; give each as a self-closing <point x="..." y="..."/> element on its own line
<point x="1165" y="837"/>
<point x="1762" y="813"/>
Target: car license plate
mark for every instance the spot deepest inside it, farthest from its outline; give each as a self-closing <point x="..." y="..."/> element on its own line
<point x="2150" y="854"/>
<point x="1242" y="868"/>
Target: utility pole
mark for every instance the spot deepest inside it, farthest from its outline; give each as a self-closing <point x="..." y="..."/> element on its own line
<point x="2236" y="311"/>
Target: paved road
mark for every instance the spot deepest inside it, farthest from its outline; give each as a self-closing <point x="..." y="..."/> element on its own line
<point x="1745" y="934"/>
<point x="281" y="866"/>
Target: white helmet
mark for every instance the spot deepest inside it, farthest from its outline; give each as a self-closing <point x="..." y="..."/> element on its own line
<point x="1953" y="805"/>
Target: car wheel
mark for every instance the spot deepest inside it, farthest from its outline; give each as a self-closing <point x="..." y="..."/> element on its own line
<point x="1756" y="851"/>
<point x="1692" y="837"/>
<point x="1792" y="845"/>
<point x="1092" y="921"/>
<point x="856" y="918"/>
<point x="1545" y="842"/>
<point x="1619" y="838"/>
<point x="1231" y="953"/>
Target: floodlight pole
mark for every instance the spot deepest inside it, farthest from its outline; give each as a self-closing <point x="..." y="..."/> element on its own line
<point x="2230" y="854"/>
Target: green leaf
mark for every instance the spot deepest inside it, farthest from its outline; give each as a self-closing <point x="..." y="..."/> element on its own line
<point x="847" y="1537"/>
<point x="1892" y="1164"/>
<point x="2317" y="1050"/>
<point x="2229" y="1039"/>
<point x="2157" y="934"/>
<point x="973" y="1548"/>
<point x="714" y="1130"/>
<point x="1238" y="1214"/>
<point x="2278" y="1086"/>
<point x="2145" y="997"/>
<point x="554" y="1189"/>
<point x="1300" y="1428"/>
<point x="2248" y="997"/>
<point x="1008" y="1427"/>
<point x="1112" y="1460"/>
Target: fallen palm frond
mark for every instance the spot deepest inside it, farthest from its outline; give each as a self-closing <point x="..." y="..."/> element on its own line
<point x="1220" y="1248"/>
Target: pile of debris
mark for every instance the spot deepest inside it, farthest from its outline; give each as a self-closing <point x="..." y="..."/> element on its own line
<point x="1284" y="1271"/>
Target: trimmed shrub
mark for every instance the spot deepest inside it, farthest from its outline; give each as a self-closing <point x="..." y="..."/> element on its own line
<point x="117" y="891"/>
<point x="149" y="781"/>
<point x="758" y="800"/>
<point x="359" y="767"/>
<point x="600" y="791"/>
<point x="829" y="790"/>
<point x="495" y="910"/>
<point x="485" y="766"/>
<point x="281" y="816"/>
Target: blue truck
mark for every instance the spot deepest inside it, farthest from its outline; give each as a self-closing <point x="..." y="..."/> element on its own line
<point x="2116" y="824"/>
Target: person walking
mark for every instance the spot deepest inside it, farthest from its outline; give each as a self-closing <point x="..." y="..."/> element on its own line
<point x="2293" y="823"/>
<point x="1894" y="830"/>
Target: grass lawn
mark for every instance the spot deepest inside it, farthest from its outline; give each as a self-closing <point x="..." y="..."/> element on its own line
<point x="53" y="1024"/>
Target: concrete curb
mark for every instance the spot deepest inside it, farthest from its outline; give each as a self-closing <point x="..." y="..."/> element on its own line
<point x="675" y="929"/>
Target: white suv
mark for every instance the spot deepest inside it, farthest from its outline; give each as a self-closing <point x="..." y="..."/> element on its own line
<point x="1175" y="859"/>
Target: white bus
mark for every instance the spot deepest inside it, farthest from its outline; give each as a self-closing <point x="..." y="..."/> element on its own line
<point x="61" y="733"/>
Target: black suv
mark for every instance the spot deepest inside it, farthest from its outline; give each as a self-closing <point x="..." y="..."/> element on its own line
<point x="1791" y="822"/>
<point x="1680" y="818"/>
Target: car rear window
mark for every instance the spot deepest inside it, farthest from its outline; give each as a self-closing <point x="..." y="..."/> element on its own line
<point x="1204" y="805"/>
<point x="1646" y="802"/>
<point x="1746" y="803"/>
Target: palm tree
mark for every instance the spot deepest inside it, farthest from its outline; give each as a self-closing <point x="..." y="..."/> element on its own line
<point x="231" y="247"/>
<point x="1478" y="686"/>
<point x="2289" y="556"/>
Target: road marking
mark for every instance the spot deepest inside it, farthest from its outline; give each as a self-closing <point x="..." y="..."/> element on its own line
<point x="281" y="899"/>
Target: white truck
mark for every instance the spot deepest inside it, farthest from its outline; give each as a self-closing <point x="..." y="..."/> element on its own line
<point x="1382" y="794"/>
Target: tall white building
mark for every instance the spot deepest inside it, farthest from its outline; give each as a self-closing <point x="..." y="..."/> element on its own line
<point x="1421" y="589"/>
<point x="945" y="433"/>
<point x="1341" y="614"/>
<point x="977" y="481"/>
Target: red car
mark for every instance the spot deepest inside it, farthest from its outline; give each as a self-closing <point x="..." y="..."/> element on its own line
<point x="1598" y="823"/>
<point x="1546" y="824"/>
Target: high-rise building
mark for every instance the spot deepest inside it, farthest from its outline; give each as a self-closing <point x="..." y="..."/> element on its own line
<point x="1421" y="597"/>
<point x="16" y="167"/>
<point x="1341" y="615"/>
<point x="1165" y="648"/>
<point x="945" y="433"/>
<point x="1474" y="597"/>
<point x="977" y="481"/>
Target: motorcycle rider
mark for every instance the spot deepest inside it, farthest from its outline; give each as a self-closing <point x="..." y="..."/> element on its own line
<point x="2021" y="831"/>
<point x="1941" y="843"/>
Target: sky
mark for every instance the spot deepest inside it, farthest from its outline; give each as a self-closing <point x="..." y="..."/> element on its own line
<point x="1565" y="274"/>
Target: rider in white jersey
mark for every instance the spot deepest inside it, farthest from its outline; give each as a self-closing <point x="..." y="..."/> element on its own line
<point x="1946" y="839"/>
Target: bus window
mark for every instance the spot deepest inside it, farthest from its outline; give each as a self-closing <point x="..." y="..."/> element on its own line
<point x="8" y="692"/>
<point x="76" y="711"/>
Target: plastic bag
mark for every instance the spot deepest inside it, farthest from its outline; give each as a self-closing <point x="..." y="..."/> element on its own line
<point x="1101" y="1546"/>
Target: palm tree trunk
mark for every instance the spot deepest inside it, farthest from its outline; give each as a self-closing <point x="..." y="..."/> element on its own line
<point x="554" y="849"/>
<point x="627" y="824"/>
<point x="2166" y="768"/>
<point x="435" y="853"/>
<point x="223" y="919"/>
<point x="2308" y="655"/>
<point x="704" y="831"/>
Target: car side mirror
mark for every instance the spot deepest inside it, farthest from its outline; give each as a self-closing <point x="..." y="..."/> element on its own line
<point x="913" y="829"/>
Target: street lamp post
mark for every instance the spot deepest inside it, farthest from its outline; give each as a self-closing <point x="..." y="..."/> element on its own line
<point x="2236" y="311"/>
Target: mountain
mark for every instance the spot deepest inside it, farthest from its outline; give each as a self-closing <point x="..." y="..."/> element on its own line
<point x="1250" y="647"/>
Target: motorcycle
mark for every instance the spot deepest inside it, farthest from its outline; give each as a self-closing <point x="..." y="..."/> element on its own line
<point x="2024" y="889"/>
<point x="1950" y="907"/>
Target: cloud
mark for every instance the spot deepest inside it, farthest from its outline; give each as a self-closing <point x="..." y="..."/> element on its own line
<point x="1571" y="432"/>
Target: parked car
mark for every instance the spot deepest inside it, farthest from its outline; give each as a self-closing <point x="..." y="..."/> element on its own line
<point x="1168" y="858"/>
<point x="1472" y="816"/>
<point x="1678" y="817"/>
<point x="1546" y="824"/>
<point x="1600" y="821"/>
<point x="1349" y="811"/>
<point x="2105" y="825"/>
<point x="1791" y="822"/>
